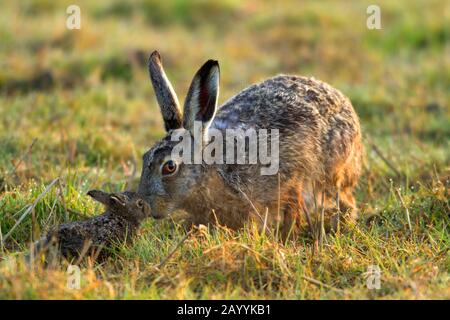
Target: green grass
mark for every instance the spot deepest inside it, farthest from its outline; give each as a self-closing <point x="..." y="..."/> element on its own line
<point x="85" y="100"/>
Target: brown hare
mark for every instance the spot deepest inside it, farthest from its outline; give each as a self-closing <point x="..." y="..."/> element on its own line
<point x="319" y="152"/>
<point x="124" y="213"/>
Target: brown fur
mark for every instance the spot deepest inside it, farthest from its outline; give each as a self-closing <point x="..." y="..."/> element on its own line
<point x="320" y="153"/>
<point x="120" y="222"/>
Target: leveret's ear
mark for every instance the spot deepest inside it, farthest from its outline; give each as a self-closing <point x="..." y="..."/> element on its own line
<point x="99" y="196"/>
<point x="117" y="200"/>
<point x="201" y="100"/>
<point x="166" y="96"/>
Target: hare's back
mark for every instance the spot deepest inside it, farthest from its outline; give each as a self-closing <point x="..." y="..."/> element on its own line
<point x="286" y="103"/>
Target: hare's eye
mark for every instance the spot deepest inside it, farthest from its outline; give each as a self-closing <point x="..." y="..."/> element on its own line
<point x="169" y="167"/>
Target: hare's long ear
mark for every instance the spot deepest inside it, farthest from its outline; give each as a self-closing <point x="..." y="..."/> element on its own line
<point x="201" y="100"/>
<point x="166" y="96"/>
<point x="99" y="196"/>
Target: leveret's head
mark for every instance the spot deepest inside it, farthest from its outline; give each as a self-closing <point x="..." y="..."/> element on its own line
<point x="166" y="180"/>
<point x="127" y="204"/>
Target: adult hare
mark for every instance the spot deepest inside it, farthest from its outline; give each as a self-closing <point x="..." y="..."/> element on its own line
<point x="320" y="152"/>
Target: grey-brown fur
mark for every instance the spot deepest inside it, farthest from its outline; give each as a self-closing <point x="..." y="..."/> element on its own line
<point x="119" y="223"/>
<point x="320" y="151"/>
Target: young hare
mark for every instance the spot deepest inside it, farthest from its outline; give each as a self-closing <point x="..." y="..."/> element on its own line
<point x="320" y="153"/>
<point x="124" y="213"/>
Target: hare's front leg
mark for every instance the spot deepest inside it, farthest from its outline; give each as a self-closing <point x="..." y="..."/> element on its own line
<point x="344" y="211"/>
<point x="337" y="208"/>
<point x="295" y="219"/>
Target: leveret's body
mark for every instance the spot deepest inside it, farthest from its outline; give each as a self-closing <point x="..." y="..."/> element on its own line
<point x="119" y="223"/>
<point x="91" y="235"/>
<point x="320" y="152"/>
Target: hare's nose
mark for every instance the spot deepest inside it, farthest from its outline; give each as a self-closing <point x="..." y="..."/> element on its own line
<point x="157" y="216"/>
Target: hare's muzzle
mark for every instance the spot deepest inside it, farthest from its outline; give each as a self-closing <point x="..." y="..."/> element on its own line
<point x="157" y="216"/>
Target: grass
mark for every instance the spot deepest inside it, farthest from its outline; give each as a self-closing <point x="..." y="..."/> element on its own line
<point x="78" y="106"/>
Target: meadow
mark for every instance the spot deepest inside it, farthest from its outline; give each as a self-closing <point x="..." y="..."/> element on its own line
<point x="77" y="106"/>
